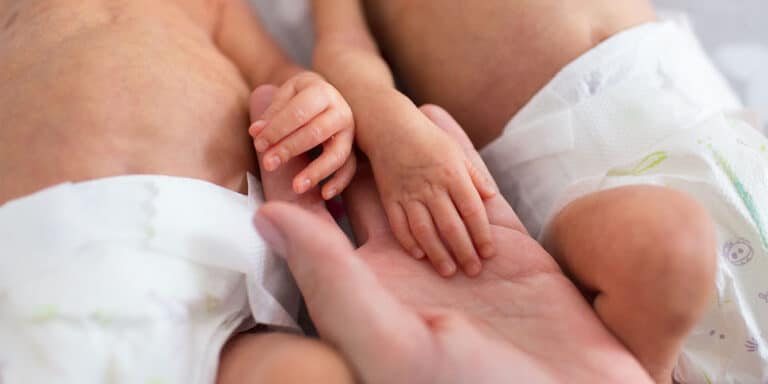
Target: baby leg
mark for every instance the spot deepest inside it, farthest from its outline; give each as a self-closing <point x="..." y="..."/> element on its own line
<point x="280" y="358"/>
<point x="647" y="256"/>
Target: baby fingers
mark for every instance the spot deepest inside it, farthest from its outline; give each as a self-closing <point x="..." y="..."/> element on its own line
<point x="470" y="206"/>
<point x="454" y="232"/>
<point x="398" y="221"/>
<point x="298" y="111"/>
<point x="423" y="229"/>
<point x="336" y="151"/>
<point x="341" y="178"/>
<point x="314" y="133"/>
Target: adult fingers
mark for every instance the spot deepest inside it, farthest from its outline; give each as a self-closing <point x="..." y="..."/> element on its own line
<point x="278" y="185"/>
<point x="364" y="206"/>
<point x="348" y="305"/>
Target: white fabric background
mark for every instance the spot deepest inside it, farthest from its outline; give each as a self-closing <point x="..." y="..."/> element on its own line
<point x="734" y="32"/>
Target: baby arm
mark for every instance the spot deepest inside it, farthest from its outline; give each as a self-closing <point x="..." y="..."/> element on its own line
<point x="431" y="193"/>
<point x="306" y="112"/>
<point x="240" y="36"/>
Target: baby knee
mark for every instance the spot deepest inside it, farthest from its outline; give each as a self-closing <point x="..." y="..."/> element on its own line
<point x="675" y="249"/>
<point x="280" y="358"/>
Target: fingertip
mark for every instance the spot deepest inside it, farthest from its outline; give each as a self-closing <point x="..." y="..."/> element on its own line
<point x="417" y="253"/>
<point x="329" y="192"/>
<point x="271" y="162"/>
<point x="257" y="127"/>
<point x="446" y="268"/>
<point x="261" y="145"/>
<point x="487" y="251"/>
<point x="473" y="268"/>
<point x="301" y="184"/>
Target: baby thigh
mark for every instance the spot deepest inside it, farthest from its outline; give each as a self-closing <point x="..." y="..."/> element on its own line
<point x="647" y="255"/>
<point x="281" y="358"/>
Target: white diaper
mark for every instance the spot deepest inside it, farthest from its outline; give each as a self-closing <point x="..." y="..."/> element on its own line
<point x="647" y="107"/>
<point x="134" y="279"/>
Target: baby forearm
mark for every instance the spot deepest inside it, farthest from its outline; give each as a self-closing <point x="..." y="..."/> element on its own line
<point x="347" y="55"/>
<point x="241" y="37"/>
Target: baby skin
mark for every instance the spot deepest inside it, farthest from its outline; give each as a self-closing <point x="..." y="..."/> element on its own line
<point x="432" y="194"/>
<point x="99" y="88"/>
<point x="644" y="256"/>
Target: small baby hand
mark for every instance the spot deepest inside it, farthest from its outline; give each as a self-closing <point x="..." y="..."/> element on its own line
<point x="433" y="197"/>
<point x="306" y="112"/>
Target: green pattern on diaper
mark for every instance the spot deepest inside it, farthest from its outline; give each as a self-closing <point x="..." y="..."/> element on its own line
<point x="100" y="317"/>
<point x="745" y="196"/>
<point x="644" y="165"/>
<point x="45" y="314"/>
<point x="211" y="302"/>
<point x="156" y="381"/>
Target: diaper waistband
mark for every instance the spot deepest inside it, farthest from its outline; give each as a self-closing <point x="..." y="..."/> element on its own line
<point x="174" y="215"/>
<point x="189" y="219"/>
<point x="668" y="49"/>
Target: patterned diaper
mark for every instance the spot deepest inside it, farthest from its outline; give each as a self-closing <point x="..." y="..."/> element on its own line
<point x="133" y="279"/>
<point x="647" y="107"/>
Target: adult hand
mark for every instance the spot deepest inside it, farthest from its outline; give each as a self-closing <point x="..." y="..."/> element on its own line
<point x="395" y="320"/>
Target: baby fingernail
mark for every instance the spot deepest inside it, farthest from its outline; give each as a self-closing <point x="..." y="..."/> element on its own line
<point x="303" y="185"/>
<point x="261" y="145"/>
<point x="487" y="251"/>
<point x="330" y="193"/>
<point x="270" y="234"/>
<point x="417" y="253"/>
<point x="272" y="162"/>
<point x="447" y="268"/>
<point x="491" y="186"/>
<point x="473" y="269"/>
<point x="257" y="126"/>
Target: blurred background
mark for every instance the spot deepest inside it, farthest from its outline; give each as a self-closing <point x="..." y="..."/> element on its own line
<point x="734" y="32"/>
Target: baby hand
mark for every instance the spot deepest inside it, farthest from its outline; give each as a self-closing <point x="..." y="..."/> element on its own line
<point x="433" y="197"/>
<point x="306" y="112"/>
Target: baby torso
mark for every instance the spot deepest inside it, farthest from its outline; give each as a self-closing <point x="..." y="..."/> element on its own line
<point x="97" y="88"/>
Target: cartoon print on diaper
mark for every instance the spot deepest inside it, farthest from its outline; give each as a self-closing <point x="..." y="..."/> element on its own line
<point x="738" y="252"/>
<point x="751" y="345"/>
<point x="644" y="165"/>
<point x="763" y="296"/>
<point x="714" y="333"/>
<point x="745" y="196"/>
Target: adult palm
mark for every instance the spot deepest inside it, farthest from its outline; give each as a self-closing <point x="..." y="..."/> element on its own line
<point x="396" y="320"/>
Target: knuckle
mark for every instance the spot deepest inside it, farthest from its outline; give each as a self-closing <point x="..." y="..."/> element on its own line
<point x="337" y="158"/>
<point x="452" y="230"/>
<point x="285" y="152"/>
<point x="449" y="173"/>
<point x="299" y="114"/>
<point x="317" y="133"/>
<point x="470" y="210"/>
